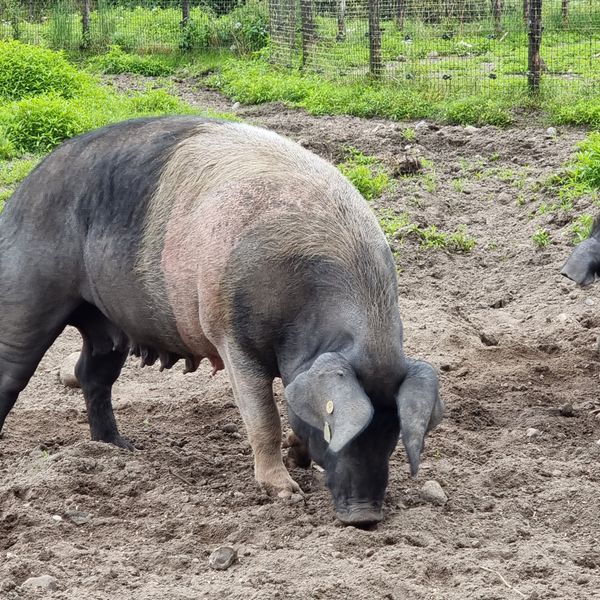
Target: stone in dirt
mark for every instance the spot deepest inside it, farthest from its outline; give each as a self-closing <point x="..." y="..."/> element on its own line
<point x="67" y="371"/>
<point x="488" y="339"/>
<point x="432" y="492"/>
<point x="533" y="432"/>
<point x="222" y="558"/>
<point x="43" y="582"/>
<point x="79" y="518"/>
<point x="566" y="410"/>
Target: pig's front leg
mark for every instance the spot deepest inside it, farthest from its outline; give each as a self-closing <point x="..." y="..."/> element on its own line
<point x="253" y="393"/>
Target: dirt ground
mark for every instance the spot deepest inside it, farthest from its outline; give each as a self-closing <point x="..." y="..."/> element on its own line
<point x="514" y="342"/>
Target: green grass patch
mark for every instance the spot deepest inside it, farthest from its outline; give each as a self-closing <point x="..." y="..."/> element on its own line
<point x="366" y="174"/>
<point x="115" y="61"/>
<point x="581" y="228"/>
<point x="541" y="237"/>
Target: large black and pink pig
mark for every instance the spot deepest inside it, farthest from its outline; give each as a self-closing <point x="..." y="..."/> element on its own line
<point x="185" y="238"/>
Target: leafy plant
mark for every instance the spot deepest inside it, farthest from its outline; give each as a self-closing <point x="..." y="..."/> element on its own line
<point x="115" y="61"/>
<point x="541" y="237"/>
<point x="39" y="124"/>
<point x="30" y="70"/>
<point x="581" y="228"/>
<point x="366" y="174"/>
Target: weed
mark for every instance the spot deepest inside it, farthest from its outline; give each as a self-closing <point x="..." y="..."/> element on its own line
<point x="366" y="174"/>
<point x="541" y="237"/>
<point x="460" y="240"/>
<point x="458" y="184"/>
<point x="409" y="134"/>
<point x="581" y="228"/>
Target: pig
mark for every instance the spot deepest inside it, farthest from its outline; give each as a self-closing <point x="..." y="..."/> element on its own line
<point x="182" y="238"/>
<point x="584" y="263"/>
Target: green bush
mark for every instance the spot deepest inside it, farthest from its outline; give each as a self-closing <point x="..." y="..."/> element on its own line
<point x="115" y="61"/>
<point x="29" y="70"/>
<point x="245" y="29"/>
<point x="39" y="124"/>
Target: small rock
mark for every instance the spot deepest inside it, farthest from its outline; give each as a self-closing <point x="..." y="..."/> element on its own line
<point x="222" y="558"/>
<point x="369" y="552"/>
<point x="43" y="582"/>
<point x="556" y="473"/>
<point x="433" y="54"/>
<point x="337" y="555"/>
<point x="79" y="518"/>
<point x="432" y="492"/>
<point x="582" y="580"/>
<point x="230" y="428"/>
<point x="67" y="371"/>
<point x="488" y="339"/>
<point x="566" y="410"/>
<point x="235" y="106"/>
<point x="420" y="125"/>
<point x="533" y="432"/>
<point x="564" y="317"/>
<point x="471" y="129"/>
<point x="296" y="498"/>
<point x="589" y="301"/>
<point x="57" y="518"/>
<point x="551" y="132"/>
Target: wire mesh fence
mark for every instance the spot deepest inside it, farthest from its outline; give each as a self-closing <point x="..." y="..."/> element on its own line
<point x="440" y="43"/>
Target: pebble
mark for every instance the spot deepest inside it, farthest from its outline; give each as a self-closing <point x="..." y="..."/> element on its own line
<point x="487" y="339"/>
<point x="533" y="432"/>
<point x="369" y="552"/>
<point x="222" y="558"/>
<point x="432" y="492"/>
<point x="471" y="129"/>
<point x="433" y="54"/>
<point x="235" y="106"/>
<point x="79" y="518"/>
<point x="230" y="428"/>
<point x="551" y="132"/>
<point x="57" y="518"/>
<point x="67" y="371"/>
<point x="566" y="410"/>
<point x="296" y="498"/>
<point x="43" y="582"/>
<point x="589" y="301"/>
<point x="421" y="125"/>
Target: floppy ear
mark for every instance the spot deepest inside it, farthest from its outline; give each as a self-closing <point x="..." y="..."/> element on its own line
<point x="420" y="409"/>
<point x="329" y="397"/>
<point x="584" y="262"/>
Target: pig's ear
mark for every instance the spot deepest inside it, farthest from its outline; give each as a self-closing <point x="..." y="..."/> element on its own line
<point x="583" y="264"/>
<point x="420" y="409"/>
<point x="329" y="397"/>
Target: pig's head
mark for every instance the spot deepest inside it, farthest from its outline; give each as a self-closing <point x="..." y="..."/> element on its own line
<point x="352" y="436"/>
<point x="584" y="263"/>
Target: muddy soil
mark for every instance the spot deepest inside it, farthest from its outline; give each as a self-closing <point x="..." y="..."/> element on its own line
<point x="514" y="343"/>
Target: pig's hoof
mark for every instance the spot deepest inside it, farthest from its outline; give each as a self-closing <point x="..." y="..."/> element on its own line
<point x="280" y="486"/>
<point x="298" y="456"/>
<point x="119" y="441"/>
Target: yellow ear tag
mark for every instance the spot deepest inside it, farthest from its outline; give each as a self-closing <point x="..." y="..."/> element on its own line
<point x="327" y="433"/>
<point x="329" y="407"/>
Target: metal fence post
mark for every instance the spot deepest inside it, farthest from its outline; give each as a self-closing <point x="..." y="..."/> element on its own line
<point x="375" y="65"/>
<point x="534" y="27"/>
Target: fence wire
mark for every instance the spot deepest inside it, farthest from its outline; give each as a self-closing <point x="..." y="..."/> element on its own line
<point x="443" y="43"/>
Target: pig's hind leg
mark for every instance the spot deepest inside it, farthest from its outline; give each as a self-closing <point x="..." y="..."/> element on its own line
<point x="105" y="349"/>
<point x="29" y="324"/>
<point x="253" y="391"/>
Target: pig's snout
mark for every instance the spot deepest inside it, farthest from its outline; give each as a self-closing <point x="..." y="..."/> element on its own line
<point x="360" y="514"/>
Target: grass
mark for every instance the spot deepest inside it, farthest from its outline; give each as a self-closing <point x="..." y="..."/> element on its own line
<point x="366" y="174"/>
<point x="541" y="237"/>
<point x="581" y="228"/>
